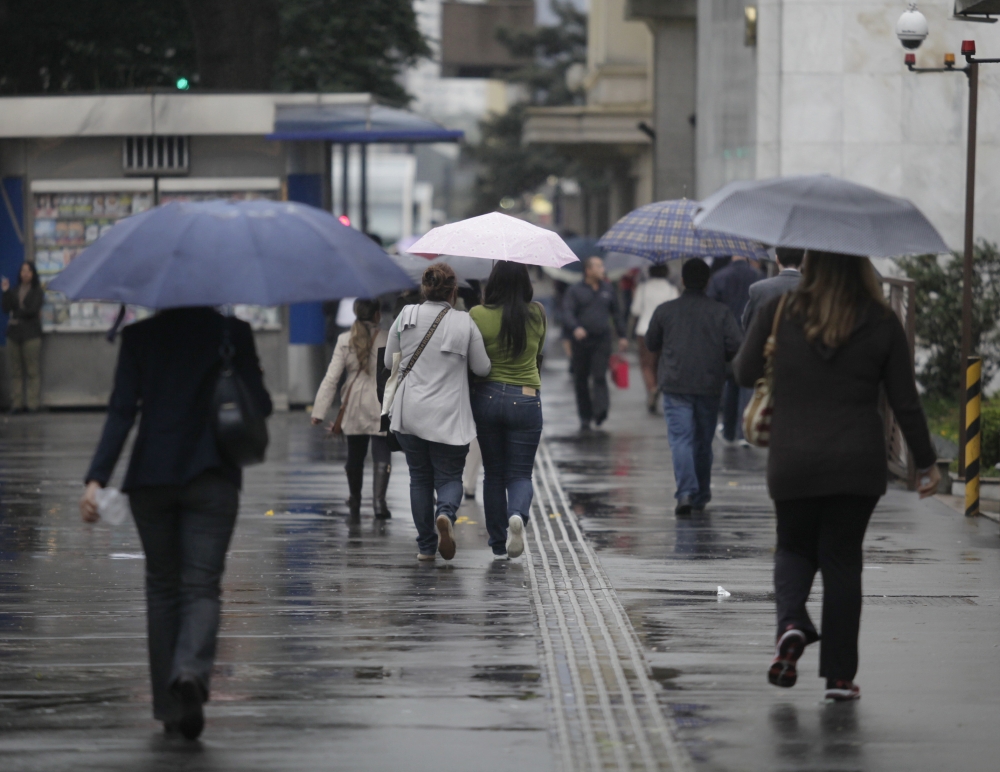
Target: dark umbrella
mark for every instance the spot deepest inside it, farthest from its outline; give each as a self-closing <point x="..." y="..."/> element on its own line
<point x="215" y="253"/>
<point x="820" y="212"/>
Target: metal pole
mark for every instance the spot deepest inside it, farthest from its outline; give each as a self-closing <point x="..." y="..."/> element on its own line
<point x="970" y="209"/>
<point x="364" y="187"/>
<point x="328" y="176"/>
<point x="345" y="185"/>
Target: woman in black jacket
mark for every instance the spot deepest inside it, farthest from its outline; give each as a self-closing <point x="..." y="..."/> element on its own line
<point x="184" y="494"/>
<point x="24" y="338"/>
<point x="838" y="344"/>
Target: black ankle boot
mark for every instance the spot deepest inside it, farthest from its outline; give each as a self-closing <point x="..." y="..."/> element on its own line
<point x="381" y="485"/>
<point x="355" y="479"/>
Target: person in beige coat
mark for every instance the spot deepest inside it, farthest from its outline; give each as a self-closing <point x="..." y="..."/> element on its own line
<point x="357" y="353"/>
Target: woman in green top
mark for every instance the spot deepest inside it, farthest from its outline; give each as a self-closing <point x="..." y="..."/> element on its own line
<point x="506" y="405"/>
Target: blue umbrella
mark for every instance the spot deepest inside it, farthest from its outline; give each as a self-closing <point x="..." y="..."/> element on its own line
<point x="214" y="253"/>
<point x="664" y="231"/>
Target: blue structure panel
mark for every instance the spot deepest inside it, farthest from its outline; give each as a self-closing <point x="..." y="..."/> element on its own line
<point x="11" y="236"/>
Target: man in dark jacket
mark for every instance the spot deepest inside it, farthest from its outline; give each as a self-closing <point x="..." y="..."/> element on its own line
<point x="695" y="337"/>
<point x="184" y="494"/>
<point x="790" y="262"/>
<point x="731" y="286"/>
<point x="590" y="308"/>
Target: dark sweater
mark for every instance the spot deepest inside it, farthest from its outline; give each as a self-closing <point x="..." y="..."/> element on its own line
<point x="827" y="436"/>
<point x="167" y="369"/>
<point x="695" y="337"/>
<point x="594" y="310"/>
<point x="25" y="318"/>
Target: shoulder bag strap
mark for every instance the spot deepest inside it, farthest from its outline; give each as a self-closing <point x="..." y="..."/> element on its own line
<point x="771" y="347"/>
<point x="421" y="347"/>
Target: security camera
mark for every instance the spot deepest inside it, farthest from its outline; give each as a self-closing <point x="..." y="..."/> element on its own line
<point x="911" y="29"/>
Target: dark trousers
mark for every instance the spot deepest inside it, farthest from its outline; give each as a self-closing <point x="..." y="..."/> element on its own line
<point x="434" y="467"/>
<point x="690" y="428"/>
<point x="590" y="376"/>
<point x="735" y="399"/>
<point x="185" y="532"/>
<point x="825" y="534"/>
<point x="357" y="449"/>
<point x="509" y="427"/>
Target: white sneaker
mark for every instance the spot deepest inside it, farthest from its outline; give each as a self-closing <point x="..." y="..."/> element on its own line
<point x="515" y="536"/>
<point x="502" y="556"/>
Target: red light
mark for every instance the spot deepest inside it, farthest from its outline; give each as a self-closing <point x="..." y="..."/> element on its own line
<point x="968" y="48"/>
<point x="910" y="60"/>
<point x="345" y="220"/>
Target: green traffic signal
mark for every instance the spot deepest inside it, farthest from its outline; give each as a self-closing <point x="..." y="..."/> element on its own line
<point x="183" y="84"/>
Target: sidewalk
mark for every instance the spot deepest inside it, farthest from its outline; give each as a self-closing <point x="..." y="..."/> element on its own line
<point x="339" y="650"/>
<point x="930" y="637"/>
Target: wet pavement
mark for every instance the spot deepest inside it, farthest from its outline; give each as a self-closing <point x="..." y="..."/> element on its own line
<point x="340" y="651"/>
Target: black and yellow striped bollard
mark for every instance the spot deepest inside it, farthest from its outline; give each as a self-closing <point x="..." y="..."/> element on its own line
<point x="973" y="398"/>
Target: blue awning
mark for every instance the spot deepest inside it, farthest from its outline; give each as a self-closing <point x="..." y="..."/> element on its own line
<point x="357" y="123"/>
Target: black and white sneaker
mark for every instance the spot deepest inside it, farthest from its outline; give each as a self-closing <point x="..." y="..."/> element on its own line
<point x="790" y="646"/>
<point x="838" y="690"/>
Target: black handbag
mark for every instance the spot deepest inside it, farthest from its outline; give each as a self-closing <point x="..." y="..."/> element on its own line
<point x="240" y="427"/>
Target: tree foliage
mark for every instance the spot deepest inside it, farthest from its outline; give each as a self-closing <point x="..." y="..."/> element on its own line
<point x="939" y="321"/>
<point x="345" y="45"/>
<point x="93" y="45"/>
<point x="58" y="46"/>
<point x="507" y="167"/>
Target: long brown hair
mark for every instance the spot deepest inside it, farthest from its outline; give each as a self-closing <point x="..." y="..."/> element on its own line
<point x="834" y="290"/>
<point x="363" y="331"/>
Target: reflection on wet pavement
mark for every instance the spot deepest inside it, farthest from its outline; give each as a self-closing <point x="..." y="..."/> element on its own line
<point x="337" y="647"/>
<point x="340" y="651"/>
<point x="930" y="631"/>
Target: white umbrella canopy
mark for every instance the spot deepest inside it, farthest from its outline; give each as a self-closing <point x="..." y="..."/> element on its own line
<point x="496" y="236"/>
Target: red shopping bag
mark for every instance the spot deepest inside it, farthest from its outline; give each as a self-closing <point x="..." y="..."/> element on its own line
<point x="619" y="371"/>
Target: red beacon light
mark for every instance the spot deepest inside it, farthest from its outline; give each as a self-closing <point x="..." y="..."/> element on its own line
<point x="345" y="220"/>
<point x="968" y="48"/>
<point x="910" y="60"/>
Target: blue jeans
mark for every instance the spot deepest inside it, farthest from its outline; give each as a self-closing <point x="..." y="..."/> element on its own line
<point x="690" y="429"/>
<point x="185" y="532"/>
<point x="434" y="466"/>
<point x="509" y="426"/>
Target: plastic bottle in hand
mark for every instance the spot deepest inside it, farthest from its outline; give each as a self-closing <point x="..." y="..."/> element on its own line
<point x="112" y="506"/>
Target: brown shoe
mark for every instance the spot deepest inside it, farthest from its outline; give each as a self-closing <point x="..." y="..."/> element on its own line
<point x="446" y="537"/>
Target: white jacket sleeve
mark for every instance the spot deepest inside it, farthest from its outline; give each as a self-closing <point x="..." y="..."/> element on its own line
<point x="328" y="388"/>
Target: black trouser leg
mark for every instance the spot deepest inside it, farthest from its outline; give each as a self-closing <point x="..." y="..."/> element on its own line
<point x="825" y="532"/>
<point x="582" y="354"/>
<point x="600" y="398"/>
<point x="381" y="469"/>
<point x="840" y="560"/>
<point x="357" y="449"/>
<point x="795" y="563"/>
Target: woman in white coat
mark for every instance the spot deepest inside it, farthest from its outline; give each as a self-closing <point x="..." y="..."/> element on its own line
<point x="431" y="414"/>
<point x="357" y="353"/>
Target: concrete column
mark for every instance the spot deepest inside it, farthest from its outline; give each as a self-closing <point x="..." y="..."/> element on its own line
<point x="674" y="98"/>
<point x="675" y="56"/>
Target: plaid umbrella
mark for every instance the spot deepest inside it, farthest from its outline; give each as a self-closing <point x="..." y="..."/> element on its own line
<point x="664" y="231"/>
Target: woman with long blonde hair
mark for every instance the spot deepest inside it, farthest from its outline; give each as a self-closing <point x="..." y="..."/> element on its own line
<point x="839" y="346"/>
<point x="356" y="353"/>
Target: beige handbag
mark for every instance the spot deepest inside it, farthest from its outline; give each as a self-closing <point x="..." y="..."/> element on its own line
<point x="757" y="416"/>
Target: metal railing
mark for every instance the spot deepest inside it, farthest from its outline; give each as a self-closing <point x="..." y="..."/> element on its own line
<point x="901" y="296"/>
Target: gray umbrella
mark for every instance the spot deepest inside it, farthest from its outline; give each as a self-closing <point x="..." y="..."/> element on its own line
<point x="820" y="212"/>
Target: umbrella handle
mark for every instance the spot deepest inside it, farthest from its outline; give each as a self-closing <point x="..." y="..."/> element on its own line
<point x="113" y="332"/>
